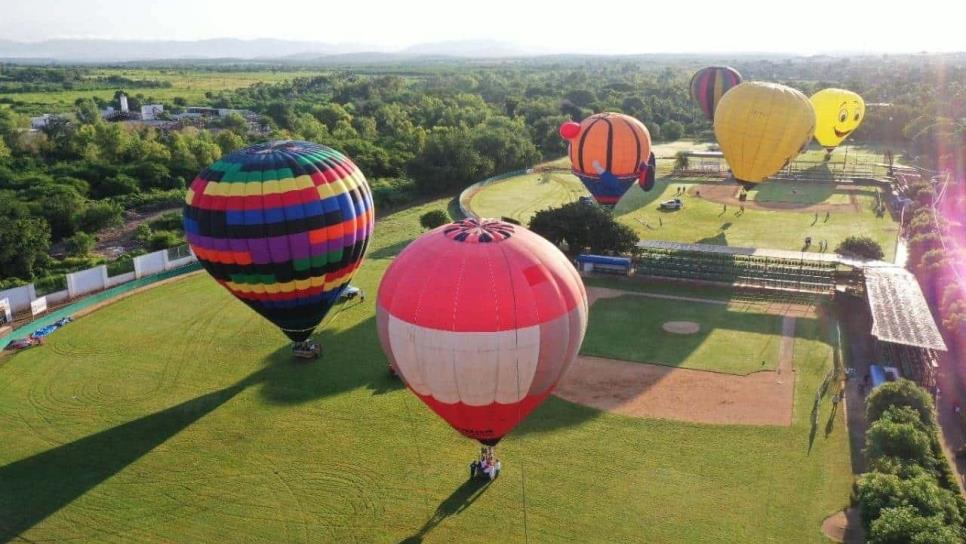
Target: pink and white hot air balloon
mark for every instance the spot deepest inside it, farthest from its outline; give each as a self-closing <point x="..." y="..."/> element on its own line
<point x="481" y="318"/>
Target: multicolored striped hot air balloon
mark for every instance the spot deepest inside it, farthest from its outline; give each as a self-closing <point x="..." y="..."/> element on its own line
<point x="709" y="84"/>
<point x="481" y="318"/>
<point x="608" y="153"/>
<point x="283" y="226"/>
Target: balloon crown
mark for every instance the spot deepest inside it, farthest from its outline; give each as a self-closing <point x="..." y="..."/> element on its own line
<point x="477" y="231"/>
<point x="278" y="145"/>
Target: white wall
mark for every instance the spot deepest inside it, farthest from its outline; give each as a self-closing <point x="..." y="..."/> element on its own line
<point x="152" y="263"/>
<point x="87" y="281"/>
<point x="20" y="297"/>
<point x="177" y="263"/>
<point x="119" y="279"/>
<point x="58" y="297"/>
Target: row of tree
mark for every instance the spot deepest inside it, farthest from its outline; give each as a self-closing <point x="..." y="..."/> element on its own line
<point x="910" y="494"/>
<point x="934" y="263"/>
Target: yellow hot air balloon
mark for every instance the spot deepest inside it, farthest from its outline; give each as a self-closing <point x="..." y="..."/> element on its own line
<point x="761" y="127"/>
<point x="837" y="113"/>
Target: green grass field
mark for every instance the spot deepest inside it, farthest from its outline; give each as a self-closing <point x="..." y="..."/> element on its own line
<point x="189" y="84"/>
<point x="178" y="415"/>
<point x="731" y="340"/>
<point x="702" y="221"/>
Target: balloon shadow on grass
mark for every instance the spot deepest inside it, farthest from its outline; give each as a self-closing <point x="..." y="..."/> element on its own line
<point x="33" y="488"/>
<point x="351" y="358"/>
<point x="460" y="499"/>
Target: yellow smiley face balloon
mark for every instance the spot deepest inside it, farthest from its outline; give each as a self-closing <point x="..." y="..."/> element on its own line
<point x="837" y="113"/>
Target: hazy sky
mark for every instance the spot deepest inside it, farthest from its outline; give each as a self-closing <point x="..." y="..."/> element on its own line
<point x="592" y="26"/>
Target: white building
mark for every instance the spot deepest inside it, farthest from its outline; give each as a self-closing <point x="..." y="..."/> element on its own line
<point x="42" y="121"/>
<point x="150" y="112"/>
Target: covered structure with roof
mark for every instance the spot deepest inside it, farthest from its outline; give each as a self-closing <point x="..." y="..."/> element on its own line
<point x="907" y="335"/>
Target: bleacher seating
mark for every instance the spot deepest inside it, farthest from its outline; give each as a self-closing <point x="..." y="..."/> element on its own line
<point x="740" y="270"/>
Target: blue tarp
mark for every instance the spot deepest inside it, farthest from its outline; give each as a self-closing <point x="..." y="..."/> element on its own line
<point x="882" y="374"/>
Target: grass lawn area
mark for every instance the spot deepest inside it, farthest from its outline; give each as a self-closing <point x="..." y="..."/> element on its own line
<point x="736" y="342"/>
<point x="522" y="196"/>
<point x="178" y="415"/>
<point x="702" y="221"/>
<point x="789" y="191"/>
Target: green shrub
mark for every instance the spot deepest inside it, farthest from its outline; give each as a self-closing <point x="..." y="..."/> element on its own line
<point x="79" y="245"/>
<point x="122" y="265"/>
<point x="433" y="218"/>
<point x="164" y="239"/>
<point x="170" y="221"/>
<point x="50" y="284"/>
<point x="99" y="215"/>
<point x="861" y="247"/>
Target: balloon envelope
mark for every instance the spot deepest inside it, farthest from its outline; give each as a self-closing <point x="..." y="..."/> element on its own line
<point x="837" y="113"/>
<point x="709" y="84"/>
<point x="283" y="226"/>
<point x="761" y="127"/>
<point x="609" y="153"/>
<point x="481" y="319"/>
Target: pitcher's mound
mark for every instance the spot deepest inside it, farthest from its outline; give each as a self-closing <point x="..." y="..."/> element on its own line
<point x="681" y="327"/>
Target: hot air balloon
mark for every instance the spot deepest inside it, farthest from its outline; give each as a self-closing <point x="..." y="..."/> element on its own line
<point x="481" y="318"/>
<point x="709" y="84"/>
<point x="283" y="226"/>
<point x="837" y="113"/>
<point x="608" y="153"/>
<point x="761" y="127"/>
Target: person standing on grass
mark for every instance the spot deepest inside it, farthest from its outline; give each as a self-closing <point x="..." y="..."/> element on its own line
<point x="828" y="215"/>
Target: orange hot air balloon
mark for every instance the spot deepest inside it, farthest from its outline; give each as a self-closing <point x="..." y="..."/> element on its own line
<point x="609" y="152"/>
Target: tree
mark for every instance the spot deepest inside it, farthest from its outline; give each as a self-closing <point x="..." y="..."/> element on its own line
<point x="681" y="161"/>
<point x="120" y="184"/>
<point x="4" y="150"/>
<point x="899" y="393"/>
<point x="672" y="130"/>
<point x="98" y="215"/>
<point x="904" y="525"/>
<point x="86" y="112"/>
<point x="584" y="226"/>
<point x="23" y="242"/>
<point x="904" y="441"/>
<point x="79" y="245"/>
<point x="449" y="161"/>
<point x="860" y="247"/>
<point x="433" y="218"/>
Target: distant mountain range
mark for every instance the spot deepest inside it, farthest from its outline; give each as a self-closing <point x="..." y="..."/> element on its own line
<point x="89" y="50"/>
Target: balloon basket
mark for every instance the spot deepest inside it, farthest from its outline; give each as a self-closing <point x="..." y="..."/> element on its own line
<point x="487" y="466"/>
<point x="306" y="350"/>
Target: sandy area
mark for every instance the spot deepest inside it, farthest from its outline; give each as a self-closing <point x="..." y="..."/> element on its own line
<point x="659" y="391"/>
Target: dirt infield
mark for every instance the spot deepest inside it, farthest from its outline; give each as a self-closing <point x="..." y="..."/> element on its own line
<point x="659" y="391"/>
<point x="727" y="193"/>
<point x="681" y="327"/>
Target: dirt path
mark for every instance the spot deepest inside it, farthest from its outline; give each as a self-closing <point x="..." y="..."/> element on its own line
<point x="659" y="391"/>
<point x="117" y="240"/>
<point x="844" y="526"/>
<point x="727" y="193"/>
